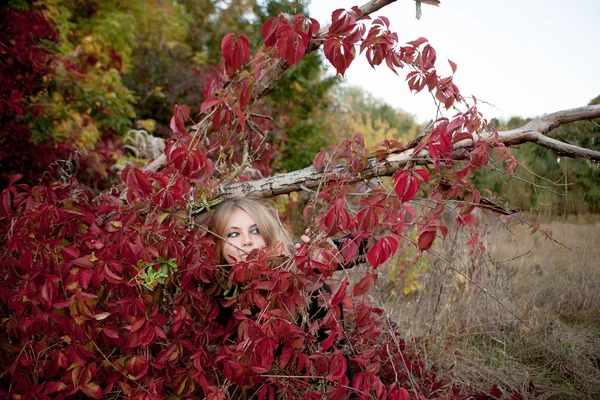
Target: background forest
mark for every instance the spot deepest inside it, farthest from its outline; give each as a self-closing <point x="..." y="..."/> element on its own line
<point x="78" y="78"/>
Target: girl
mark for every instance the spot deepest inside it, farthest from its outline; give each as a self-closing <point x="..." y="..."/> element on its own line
<point x="239" y="227"/>
<point x="243" y="225"/>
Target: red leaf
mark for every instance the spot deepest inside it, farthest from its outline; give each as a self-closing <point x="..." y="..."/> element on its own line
<point x="61" y="304"/>
<point x="367" y="218"/>
<point x="285" y="356"/>
<point x="339" y="53"/>
<point x="84" y="277"/>
<point x="400" y="178"/>
<point x="356" y="34"/>
<point x="269" y="29"/>
<point x="111" y="276"/>
<point x="403" y="394"/>
<point x="241" y="118"/>
<point x="290" y="43"/>
<point x="452" y="65"/>
<point x="83" y="262"/>
<point x="339" y="294"/>
<point x="426" y="239"/>
<point x="465" y="220"/>
<point x="364" y="284"/>
<point x="137" y="324"/>
<point x="47" y="292"/>
<point x="406" y="185"/>
<point x="319" y="161"/>
<point x="461" y="136"/>
<point x="263" y="392"/>
<point x="6" y="204"/>
<point x="244" y="94"/>
<point x="337" y="219"/>
<point x="496" y="392"/>
<point x="424" y="174"/>
<point x="70" y="252"/>
<point x="338" y="368"/>
<point x="480" y="156"/>
<point x="416" y="81"/>
<point x="191" y="163"/>
<point x="92" y="390"/>
<point x="110" y="332"/>
<point x="53" y="387"/>
<point x="309" y="26"/>
<point x="180" y="114"/>
<point x="14" y="178"/>
<point x="208" y="103"/>
<point x="137" y="367"/>
<point x="418" y="42"/>
<point x="235" y="51"/>
<point x="393" y="60"/>
<point x="141" y="181"/>
<point x="382" y="250"/>
<point x="327" y="343"/>
<point x="428" y="56"/>
<point x="126" y="388"/>
<point x="342" y="22"/>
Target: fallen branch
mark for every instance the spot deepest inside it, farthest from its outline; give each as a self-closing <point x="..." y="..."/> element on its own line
<point x="535" y="132"/>
<point x="308" y="178"/>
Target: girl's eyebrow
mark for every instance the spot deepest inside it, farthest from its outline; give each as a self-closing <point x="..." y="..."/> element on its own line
<point x="251" y="226"/>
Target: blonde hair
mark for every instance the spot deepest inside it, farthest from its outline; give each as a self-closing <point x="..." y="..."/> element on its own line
<point x="264" y="216"/>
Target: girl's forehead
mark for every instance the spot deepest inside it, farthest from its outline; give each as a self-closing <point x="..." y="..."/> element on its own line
<point x="239" y="219"/>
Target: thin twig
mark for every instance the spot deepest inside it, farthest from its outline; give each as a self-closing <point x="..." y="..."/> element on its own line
<point x="261" y="116"/>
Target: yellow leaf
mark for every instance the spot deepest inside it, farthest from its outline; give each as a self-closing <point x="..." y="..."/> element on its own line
<point x="102" y="315"/>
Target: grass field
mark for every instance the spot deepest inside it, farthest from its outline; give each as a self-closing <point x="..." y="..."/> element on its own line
<point x="524" y="315"/>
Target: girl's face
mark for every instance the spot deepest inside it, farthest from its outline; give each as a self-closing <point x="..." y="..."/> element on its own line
<point x="242" y="236"/>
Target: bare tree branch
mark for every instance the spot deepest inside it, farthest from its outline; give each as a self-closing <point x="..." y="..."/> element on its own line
<point x="308" y="178"/>
<point x="536" y="129"/>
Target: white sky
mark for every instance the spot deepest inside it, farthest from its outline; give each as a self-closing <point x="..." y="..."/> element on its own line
<point x="524" y="57"/>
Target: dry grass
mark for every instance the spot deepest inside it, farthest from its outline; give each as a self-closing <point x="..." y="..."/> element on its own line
<point x="536" y="327"/>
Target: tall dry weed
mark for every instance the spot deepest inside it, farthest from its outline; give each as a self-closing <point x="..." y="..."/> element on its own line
<point x="525" y="314"/>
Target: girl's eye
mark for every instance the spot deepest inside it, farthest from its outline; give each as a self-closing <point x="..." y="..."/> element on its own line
<point x="255" y="231"/>
<point x="233" y="234"/>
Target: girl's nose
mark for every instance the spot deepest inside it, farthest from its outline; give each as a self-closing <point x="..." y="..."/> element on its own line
<point x="247" y="242"/>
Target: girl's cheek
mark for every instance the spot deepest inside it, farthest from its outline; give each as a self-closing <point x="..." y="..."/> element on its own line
<point x="228" y="251"/>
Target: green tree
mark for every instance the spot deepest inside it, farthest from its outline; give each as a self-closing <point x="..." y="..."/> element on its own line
<point x="374" y="118"/>
<point x="545" y="181"/>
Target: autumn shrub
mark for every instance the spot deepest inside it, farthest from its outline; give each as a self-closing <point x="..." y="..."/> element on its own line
<point x="121" y="295"/>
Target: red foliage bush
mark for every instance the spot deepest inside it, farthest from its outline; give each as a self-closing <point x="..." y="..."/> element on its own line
<point x="121" y="294"/>
<point x="109" y="298"/>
